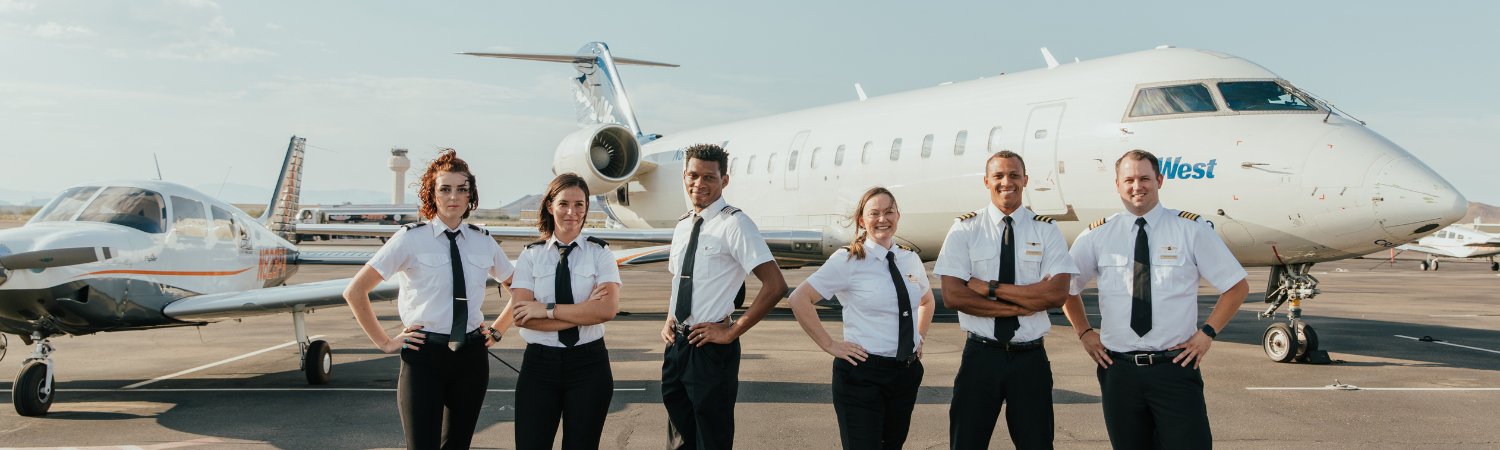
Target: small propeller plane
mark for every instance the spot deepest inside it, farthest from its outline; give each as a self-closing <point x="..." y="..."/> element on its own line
<point x="140" y="254"/>
<point x="1457" y="241"/>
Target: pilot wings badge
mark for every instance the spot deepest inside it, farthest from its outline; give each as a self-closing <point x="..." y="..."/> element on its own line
<point x="1169" y="248"/>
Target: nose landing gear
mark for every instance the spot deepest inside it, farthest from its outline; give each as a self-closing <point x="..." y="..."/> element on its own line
<point x="1294" y="340"/>
<point x="33" y="391"/>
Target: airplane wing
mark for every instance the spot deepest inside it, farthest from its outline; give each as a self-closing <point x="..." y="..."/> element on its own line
<point x="613" y="235"/>
<point x="334" y="258"/>
<point x="1415" y="247"/>
<point x="276" y="300"/>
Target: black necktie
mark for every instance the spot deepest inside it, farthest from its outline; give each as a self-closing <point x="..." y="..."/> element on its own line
<point x="564" y="291"/>
<point x="685" y="278"/>
<point x="460" y="295"/>
<point x="1005" y="327"/>
<point x="1140" y="296"/>
<point x="903" y="299"/>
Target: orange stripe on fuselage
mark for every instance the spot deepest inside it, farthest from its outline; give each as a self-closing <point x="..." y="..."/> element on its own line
<point x="627" y="258"/>
<point x="165" y="272"/>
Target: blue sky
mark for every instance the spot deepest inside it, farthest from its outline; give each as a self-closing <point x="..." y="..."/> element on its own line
<point x="89" y="90"/>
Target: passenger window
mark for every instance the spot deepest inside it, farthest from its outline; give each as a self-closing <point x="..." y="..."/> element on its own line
<point x="1173" y="100"/>
<point x="66" y="205"/>
<point x="223" y="223"/>
<point x="771" y="163"/>
<point x="814" y="161"/>
<point x="733" y="162"/>
<point x="1260" y="96"/>
<point x="864" y="155"/>
<point x="791" y="160"/>
<point x="838" y="156"/>
<point x="896" y="149"/>
<point x="994" y="145"/>
<point x="188" y="218"/>
<point x="927" y="147"/>
<point x="131" y="207"/>
<point x="750" y="165"/>
<point x="960" y="141"/>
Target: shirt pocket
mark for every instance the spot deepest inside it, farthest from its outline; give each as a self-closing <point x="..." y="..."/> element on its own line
<point x="1030" y="263"/>
<point x="432" y="268"/>
<point x="984" y="262"/>
<point x="1169" y="270"/>
<point x="1114" y="269"/>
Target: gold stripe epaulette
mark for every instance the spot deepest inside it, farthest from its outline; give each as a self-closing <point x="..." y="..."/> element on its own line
<point x="1098" y="223"/>
<point x="1043" y="219"/>
<point x="685" y="216"/>
<point x="534" y="244"/>
<point x="1188" y="216"/>
<point x="903" y="247"/>
<point x="729" y="210"/>
<point x="966" y="216"/>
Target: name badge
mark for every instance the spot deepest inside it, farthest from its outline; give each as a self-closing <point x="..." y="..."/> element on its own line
<point x="1168" y="256"/>
<point x="1033" y="252"/>
<point x="911" y="278"/>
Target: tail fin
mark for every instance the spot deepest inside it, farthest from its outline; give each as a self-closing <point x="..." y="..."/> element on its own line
<point x="599" y="94"/>
<point x="282" y="210"/>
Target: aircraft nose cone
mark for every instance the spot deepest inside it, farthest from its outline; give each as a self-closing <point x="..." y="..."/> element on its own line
<point x="1410" y="200"/>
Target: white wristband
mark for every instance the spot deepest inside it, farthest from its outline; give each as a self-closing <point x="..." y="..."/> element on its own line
<point x="549" y="314"/>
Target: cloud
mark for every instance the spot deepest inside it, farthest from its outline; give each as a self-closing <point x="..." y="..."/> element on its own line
<point x="209" y="50"/>
<point x="27" y="101"/>
<point x="219" y="27"/>
<point x="53" y="30"/>
<point x="273" y="26"/>
<point x="198" y="4"/>
<point x="8" y="6"/>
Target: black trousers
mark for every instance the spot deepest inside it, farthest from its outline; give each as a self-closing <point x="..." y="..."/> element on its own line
<point x="699" y="386"/>
<point x="440" y="392"/>
<point x="573" y="385"/>
<point x="874" y="401"/>
<point x="989" y="376"/>
<point x="1159" y="406"/>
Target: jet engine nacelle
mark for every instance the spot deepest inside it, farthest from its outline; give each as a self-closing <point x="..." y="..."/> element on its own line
<point x="606" y="155"/>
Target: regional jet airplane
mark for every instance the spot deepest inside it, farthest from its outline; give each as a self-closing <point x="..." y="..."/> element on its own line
<point x="1283" y="179"/>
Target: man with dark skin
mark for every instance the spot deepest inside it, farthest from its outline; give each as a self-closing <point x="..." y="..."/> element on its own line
<point x="713" y="247"/>
<point x="1002" y="267"/>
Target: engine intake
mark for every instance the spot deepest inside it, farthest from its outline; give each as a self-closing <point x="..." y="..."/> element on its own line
<point x="606" y="156"/>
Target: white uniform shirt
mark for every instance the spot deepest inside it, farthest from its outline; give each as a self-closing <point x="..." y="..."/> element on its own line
<point x="419" y="260"/>
<point x="864" y="287"/>
<point x="972" y="250"/>
<point x="729" y="247"/>
<point x="589" y="264"/>
<point x="1182" y="250"/>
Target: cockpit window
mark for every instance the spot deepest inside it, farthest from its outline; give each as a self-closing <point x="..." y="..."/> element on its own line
<point x="1260" y="96"/>
<point x="1189" y="98"/>
<point x="66" y="205"/>
<point x="135" y="208"/>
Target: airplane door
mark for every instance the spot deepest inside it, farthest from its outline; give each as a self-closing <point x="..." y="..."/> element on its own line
<point x="1039" y="147"/>
<point x="794" y="159"/>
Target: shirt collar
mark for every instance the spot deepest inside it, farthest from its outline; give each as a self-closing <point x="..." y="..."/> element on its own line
<point x="553" y="242"/>
<point x="998" y="217"/>
<point x="713" y="209"/>
<point x="438" y="227"/>
<point x="1153" y="216"/>
<point x="874" y="249"/>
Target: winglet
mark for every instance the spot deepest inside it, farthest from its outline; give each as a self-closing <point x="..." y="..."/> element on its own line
<point x="1051" y="62"/>
<point x="860" y="91"/>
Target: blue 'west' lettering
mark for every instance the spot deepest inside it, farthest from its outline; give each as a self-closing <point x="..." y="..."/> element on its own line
<point x="1174" y="168"/>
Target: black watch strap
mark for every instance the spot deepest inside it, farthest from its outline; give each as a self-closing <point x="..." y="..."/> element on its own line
<point x="1209" y="330"/>
<point x="993" y="285"/>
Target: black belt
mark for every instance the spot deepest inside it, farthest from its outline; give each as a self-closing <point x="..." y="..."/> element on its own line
<point x="887" y="361"/>
<point x="1146" y="358"/>
<point x="1007" y="346"/>
<point x="442" y="339"/>
<point x="547" y="349"/>
<point x="682" y="330"/>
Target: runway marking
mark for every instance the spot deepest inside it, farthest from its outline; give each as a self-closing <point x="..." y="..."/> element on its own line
<point x="205" y="366"/>
<point x="165" y="446"/>
<point x="1449" y="343"/>
<point x="1330" y="388"/>
<point x="274" y="390"/>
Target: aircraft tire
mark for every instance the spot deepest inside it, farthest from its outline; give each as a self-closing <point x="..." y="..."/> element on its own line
<point x="27" y="390"/>
<point x="1424" y="266"/>
<point x="739" y="299"/>
<point x="1308" y="338"/>
<point x="1495" y="267"/>
<point x="1434" y="265"/>
<point x="1279" y="343"/>
<point x="318" y="362"/>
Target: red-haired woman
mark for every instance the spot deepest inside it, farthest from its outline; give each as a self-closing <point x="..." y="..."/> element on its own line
<point x="441" y="265"/>
<point x="888" y="306"/>
<point x="565" y="288"/>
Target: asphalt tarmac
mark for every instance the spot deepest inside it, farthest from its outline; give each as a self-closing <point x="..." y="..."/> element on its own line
<point x="1412" y="394"/>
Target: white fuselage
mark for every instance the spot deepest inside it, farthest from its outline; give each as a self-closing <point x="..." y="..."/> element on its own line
<point x="1461" y="242"/>
<point x="1280" y="187"/>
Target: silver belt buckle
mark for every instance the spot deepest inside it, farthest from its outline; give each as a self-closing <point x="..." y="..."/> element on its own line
<point x="1148" y="360"/>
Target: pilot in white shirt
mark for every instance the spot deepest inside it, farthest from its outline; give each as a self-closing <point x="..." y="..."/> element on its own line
<point x="417" y="258"/>
<point x="1002" y="268"/>
<point x="1148" y="261"/>
<point x="887" y="308"/>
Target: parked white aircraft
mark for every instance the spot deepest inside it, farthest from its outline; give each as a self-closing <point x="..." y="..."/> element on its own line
<point x="131" y="254"/>
<point x="1457" y="241"/>
<point x="1285" y="181"/>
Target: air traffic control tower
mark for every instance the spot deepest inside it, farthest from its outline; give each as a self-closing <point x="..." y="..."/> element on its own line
<point x="398" y="164"/>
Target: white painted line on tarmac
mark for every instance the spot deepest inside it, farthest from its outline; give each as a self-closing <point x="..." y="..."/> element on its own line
<point x="1450" y="343"/>
<point x="230" y="360"/>
<point x="164" y="446"/>
<point x="1329" y="388"/>
<point x="274" y="390"/>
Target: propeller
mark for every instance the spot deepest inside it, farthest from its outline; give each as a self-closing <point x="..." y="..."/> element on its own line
<point x="56" y="257"/>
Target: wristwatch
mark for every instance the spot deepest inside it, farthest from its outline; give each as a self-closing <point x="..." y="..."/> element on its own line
<point x="1209" y="330"/>
<point x="549" y="310"/>
<point x="993" y="284"/>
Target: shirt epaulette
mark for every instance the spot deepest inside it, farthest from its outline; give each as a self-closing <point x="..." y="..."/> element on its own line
<point x="729" y="210"/>
<point x="964" y="217"/>
<point x="903" y="247"/>
<point x="534" y="244"/>
<point x="1043" y="219"/>
<point x="481" y="230"/>
<point x="597" y="241"/>
<point x="415" y="225"/>
<point x="1098" y="223"/>
<point x="1188" y="215"/>
<point x="685" y="216"/>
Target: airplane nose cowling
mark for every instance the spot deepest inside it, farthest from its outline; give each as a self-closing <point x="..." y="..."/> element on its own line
<point x="1410" y="200"/>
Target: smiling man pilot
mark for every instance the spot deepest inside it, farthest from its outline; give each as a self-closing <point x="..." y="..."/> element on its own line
<point x="1148" y="345"/>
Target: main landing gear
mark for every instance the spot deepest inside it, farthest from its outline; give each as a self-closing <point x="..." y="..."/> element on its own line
<point x="317" y="356"/>
<point x="33" y="391"/>
<point x="1429" y="264"/>
<point x="1294" y="340"/>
